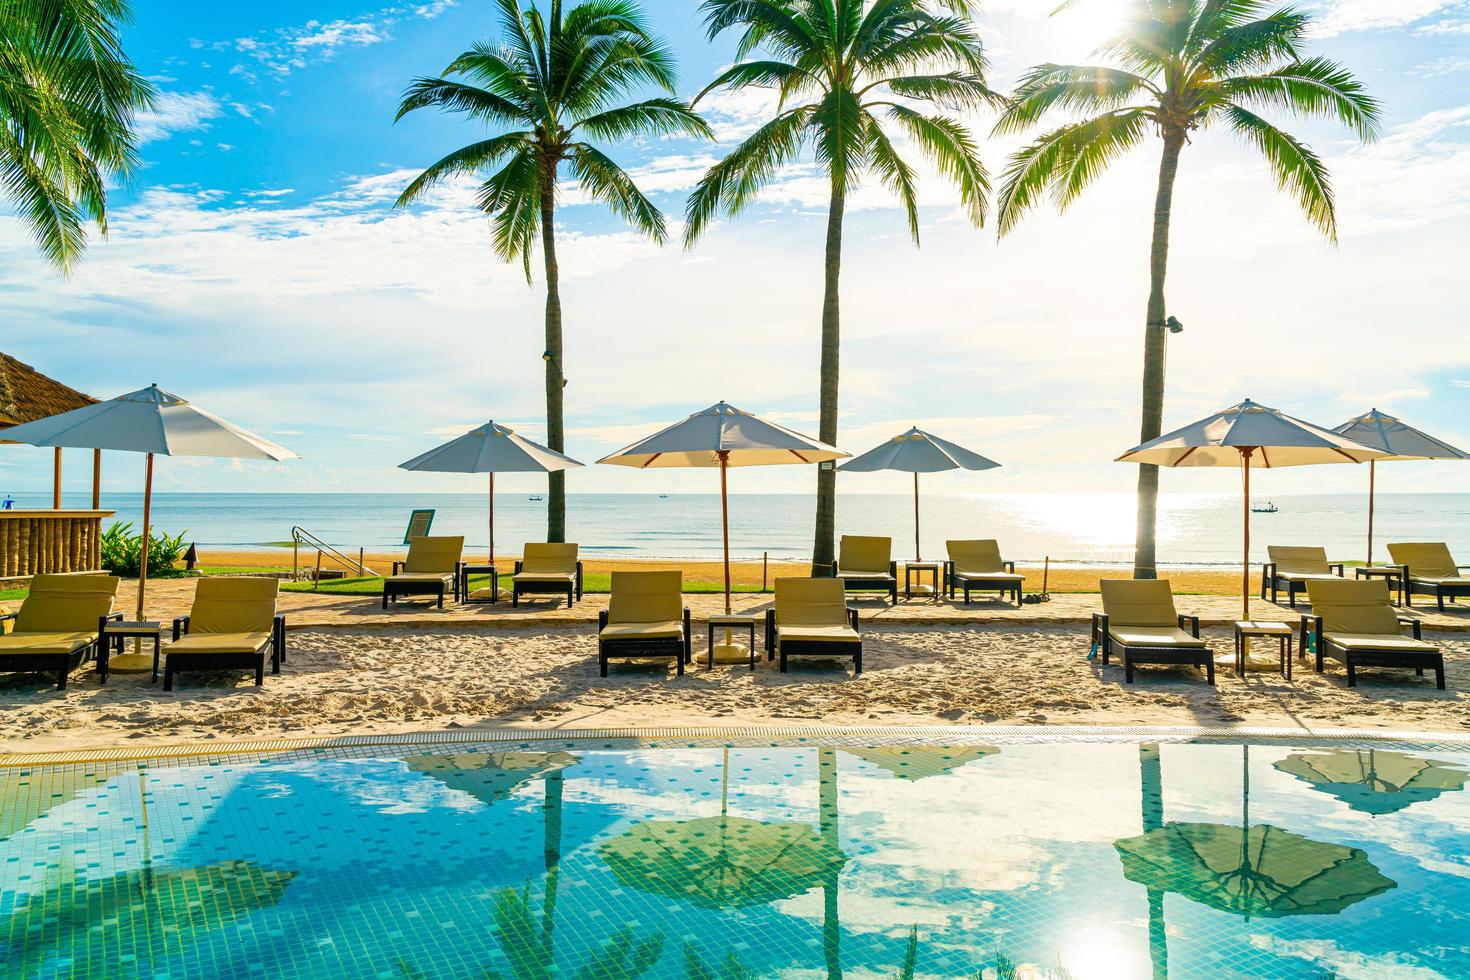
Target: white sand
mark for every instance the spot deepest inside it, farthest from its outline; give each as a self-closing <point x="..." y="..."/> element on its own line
<point x="391" y="680"/>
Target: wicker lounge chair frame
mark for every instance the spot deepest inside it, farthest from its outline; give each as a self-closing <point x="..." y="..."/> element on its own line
<point x="62" y="664"/>
<point x="631" y="648"/>
<point x="1354" y="659"/>
<point x="1272" y="582"/>
<point x="256" y="661"/>
<point x="825" y="649"/>
<point x="1162" y="655"/>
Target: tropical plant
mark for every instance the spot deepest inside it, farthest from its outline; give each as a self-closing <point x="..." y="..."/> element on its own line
<point x="554" y="84"/>
<point x="68" y="101"/>
<point x="841" y="70"/>
<point x="1180" y="66"/>
<point x="122" y="551"/>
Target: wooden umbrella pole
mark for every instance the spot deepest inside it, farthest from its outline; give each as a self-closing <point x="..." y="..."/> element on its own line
<point x="56" y="479"/>
<point x="916" y="518"/>
<point x="725" y="521"/>
<point x="1372" y="480"/>
<point x="1245" y="574"/>
<point x="143" y="552"/>
<point x="96" y="479"/>
<point x="492" y="520"/>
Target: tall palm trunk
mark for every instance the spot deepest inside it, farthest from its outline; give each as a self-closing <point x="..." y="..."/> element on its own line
<point x="556" y="498"/>
<point x="1145" y="562"/>
<point x="823" y="557"/>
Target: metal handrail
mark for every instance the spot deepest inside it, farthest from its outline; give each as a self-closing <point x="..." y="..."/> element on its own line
<point x="301" y="536"/>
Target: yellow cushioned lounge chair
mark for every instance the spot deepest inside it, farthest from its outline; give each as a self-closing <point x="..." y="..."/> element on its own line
<point x="1428" y="569"/>
<point x="866" y="565"/>
<point x="811" y="618"/>
<point x="548" y="569"/>
<point x="978" y="565"/>
<point x="432" y="568"/>
<point x="1139" y="619"/>
<point x="59" y="625"/>
<point x="645" y="617"/>
<point x="1292" y="568"/>
<point x="231" y="626"/>
<point x="1354" y="622"/>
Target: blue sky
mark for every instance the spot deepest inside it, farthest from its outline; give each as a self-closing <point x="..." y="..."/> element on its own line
<point x="256" y="265"/>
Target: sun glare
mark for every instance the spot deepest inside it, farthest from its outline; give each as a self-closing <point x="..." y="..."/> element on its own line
<point x="1086" y="24"/>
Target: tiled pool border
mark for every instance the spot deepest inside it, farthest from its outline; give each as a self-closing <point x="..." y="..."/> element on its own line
<point x="748" y="736"/>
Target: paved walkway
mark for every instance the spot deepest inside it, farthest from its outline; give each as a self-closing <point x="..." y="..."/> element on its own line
<point x="171" y="597"/>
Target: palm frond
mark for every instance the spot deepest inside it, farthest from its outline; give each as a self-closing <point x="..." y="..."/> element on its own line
<point x="1071" y="88"/>
<point x="654" y="117"/>
<point x="1314" y="87"/>
<point x="1062" y="162"/>
<point x="465" y="160"/>
<point x="604" y="181"/>
<point x="952" y="150"/>
<point x="451" y="96"/>
<point x="896" y="175"/>
<point x="952" y="90"/>
<point x="733" y="183"/>
<point x="838" y="124"/>
<point x="1256" y="44"/>
<point x="512" y="197"/>
<point x="1298" y="171"/>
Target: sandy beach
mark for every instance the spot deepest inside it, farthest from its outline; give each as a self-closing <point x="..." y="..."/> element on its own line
<point x="359" y="681"/>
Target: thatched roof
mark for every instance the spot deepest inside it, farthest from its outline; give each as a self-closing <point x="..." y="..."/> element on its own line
<point x="26" y="394"/>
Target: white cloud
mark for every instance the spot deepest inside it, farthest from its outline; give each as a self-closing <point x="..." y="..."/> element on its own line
<point x="271" y="192"/>
<point x="176" y="112"/>
<point x="1443" y="66"/>
<point x="288" y="49"/>
<point x="1344" y="16"/>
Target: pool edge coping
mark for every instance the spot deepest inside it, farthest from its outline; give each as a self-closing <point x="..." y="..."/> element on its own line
<point x="743" y="736"/>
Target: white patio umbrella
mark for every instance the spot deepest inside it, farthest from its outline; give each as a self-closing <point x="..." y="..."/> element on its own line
<point x="490" y="448"/>
<point x="154" y="422"/>
<point x="1399" y="442"/>
<point x="723" y="436"/>
<point x="1249" y="436"/>
<point x="917" y="451"/>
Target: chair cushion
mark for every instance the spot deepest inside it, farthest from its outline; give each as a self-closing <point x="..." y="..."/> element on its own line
<point x="810" y="602"/>
<point x="43" y="643"/>
<point x="975" y="557"/>
<point x="1359" y="607"/>
<point x="1299" y="561"/>
<point x="66" y="603"/>
<point x="1364" y="642"/>
<point x="672" y="629"/>
<point x="646" y="597"/>
<point x="864" y="576"/>
<point x="818" y="634"/>
<point x="218" y="643"/>
<point x="411" y="577"/>
<point x="864" y="556"/>
<point x="1155" y="636"/>
<point x="1425" y="560"/>
<point x="233" y="605"/>
<point x="546" y="577"/>
<point x="559" y="559"/>
<point x="988" y="576"/>
<point x="1304" y="576"/>
<point x="1440" y="579"/>
<point x="1139" y="602"/>
<point x="437" y="554"/>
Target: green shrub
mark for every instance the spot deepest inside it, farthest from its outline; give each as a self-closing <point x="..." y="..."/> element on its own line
<point x="122" y="551"/>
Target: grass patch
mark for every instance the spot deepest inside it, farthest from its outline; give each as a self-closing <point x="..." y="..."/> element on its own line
<point x="13" y="594"/>
<point x="592" y="584"/>
<point x="242" y="569"/>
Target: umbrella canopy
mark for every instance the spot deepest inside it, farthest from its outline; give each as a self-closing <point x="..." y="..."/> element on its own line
<point x="489" y="776"/>
<point x="154" y="422"/>
<point x="490" y="448"/>
<point x="1249" y="436"/>
<point x="917" y="451"/>
<point x="723" y="436"/>
<point x="915" y="763"/>
<point x="1374" y="781"/>
<point x="1398" y="442"/>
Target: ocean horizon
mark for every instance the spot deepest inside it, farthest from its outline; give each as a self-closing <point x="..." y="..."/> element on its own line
<point x="1085" y="528"/>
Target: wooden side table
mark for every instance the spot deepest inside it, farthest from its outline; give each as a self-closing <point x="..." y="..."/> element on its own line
<point x="1393" y="575"/>
<point x="917" y="570"/>
<point x="465" y="571"/>
<point x="731" y="622"/>
<point x="1245" y="629"/>
<point x="120" y="630"/>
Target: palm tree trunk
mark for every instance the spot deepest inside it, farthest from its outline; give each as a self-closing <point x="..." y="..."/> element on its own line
<point x="556" y="498"/>
<point x="823" y="557"/>
<point x="1145" y="561"/>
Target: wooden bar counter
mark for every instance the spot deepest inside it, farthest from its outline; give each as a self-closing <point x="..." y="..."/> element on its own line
<point x="40" y="542"/>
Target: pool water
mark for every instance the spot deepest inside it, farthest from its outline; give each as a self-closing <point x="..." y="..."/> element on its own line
<point x="603" y="861"/>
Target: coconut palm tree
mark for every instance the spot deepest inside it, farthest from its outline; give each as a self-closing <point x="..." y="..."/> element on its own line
<point x="1180" y="66"/>
<point x="849" y="76"/>
<point x="552" y="87"/>
<point x="68" y="100"/>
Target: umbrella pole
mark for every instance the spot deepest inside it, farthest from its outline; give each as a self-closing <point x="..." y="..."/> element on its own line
<point x="725" y="521"/>
<point x="916" y="518"/>
<point x="1372" y="480"/>
<point x="1245" y="573"/>
<point x="143" y="554"/>
<point x="491" y="558"/>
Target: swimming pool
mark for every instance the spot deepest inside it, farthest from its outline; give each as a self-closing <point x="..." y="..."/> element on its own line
<point x="597" y="859"/>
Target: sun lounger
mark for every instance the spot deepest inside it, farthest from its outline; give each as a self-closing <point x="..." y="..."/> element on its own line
<point x="1292" y="568"/>
<point x="865" y="564"/>
<point x="548" y="569"/>
<point x="231" y="626"/>
<point x="645" y="617"/>
<point x="432" y="568"/>
<point x="1139" y="619"/>
<point x="978" y="565"/>
<point x="1428" y="569"/>
<point x="811" y="618"/>
<point x="59" y="625"/>
<point x="1354" y="622"/>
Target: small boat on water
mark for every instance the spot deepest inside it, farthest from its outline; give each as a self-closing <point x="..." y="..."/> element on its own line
<point x="534" y="499"/>
<point x="663" y="496"/>
<point x="1269" y="507"/>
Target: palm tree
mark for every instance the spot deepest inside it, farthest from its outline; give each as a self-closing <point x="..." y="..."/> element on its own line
<point x="554" y="84"/>
<point x="1182" y="65"/>
<point x="68" y="100"/>
<point x="841" y="68"/>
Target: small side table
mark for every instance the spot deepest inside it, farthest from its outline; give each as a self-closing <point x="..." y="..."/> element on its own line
<point x="465" y="571"/>
<point x="1245" y="629"/>
<point x="731" y="622"/>
<point x="145" y="630"/>
<point x="1389" y="573"/>
<point x="917" y="570"/>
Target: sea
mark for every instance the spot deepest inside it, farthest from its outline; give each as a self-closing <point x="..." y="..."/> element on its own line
<point x="1081" y="528"/>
